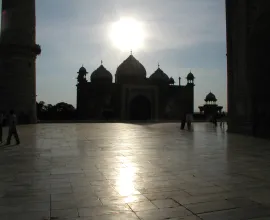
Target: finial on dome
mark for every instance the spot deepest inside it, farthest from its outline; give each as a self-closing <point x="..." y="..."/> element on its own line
<point x="158" y="65"/>
<point x="130" y="52"/>
<point x="101" y="62"/>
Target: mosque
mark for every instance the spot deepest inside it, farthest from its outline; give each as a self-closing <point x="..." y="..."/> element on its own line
<point x="133" y="95"/>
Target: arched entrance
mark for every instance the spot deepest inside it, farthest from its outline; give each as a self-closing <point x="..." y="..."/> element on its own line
<point x="140" y="108"/>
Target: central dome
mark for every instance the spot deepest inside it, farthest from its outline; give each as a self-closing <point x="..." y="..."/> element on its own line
<point x="131" y="67"/>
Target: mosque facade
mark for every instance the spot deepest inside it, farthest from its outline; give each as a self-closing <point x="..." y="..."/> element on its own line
<point x="132" y="95"/>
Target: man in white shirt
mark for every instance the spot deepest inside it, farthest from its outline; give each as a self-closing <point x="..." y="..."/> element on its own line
<point x="12" y="128"/>
<point x="189" y="120"/>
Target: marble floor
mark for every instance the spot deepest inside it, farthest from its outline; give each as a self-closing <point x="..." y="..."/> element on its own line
<point x="134" y="171"/>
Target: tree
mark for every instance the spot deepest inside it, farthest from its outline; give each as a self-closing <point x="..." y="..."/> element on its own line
<point x="60" y="111"/>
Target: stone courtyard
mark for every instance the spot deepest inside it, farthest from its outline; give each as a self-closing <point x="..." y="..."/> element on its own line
<point x="134" y="171"/>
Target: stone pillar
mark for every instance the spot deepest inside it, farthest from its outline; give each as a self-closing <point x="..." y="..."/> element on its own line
<point x="238" y="90"/>
<point x="18" y="52"/>
<point x="248" y="31"/>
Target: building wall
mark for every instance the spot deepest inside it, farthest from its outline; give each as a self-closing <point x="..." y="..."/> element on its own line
<point x="167" y="101"/>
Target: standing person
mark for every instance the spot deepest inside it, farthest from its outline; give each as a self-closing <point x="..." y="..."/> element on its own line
<point x="189" y="120"/>
<point x="183" y="121"/>
<point x="12" y="128"/>
<point x="222" y="121"/>
<point x="1" y="126"/>
<point x="211" y="119"/>
<point x="215" y="120"/>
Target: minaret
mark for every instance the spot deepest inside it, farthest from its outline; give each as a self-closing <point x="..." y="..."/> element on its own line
<point x="18" y="51"/>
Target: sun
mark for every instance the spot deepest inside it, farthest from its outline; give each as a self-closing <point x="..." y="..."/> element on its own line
<point x="127" y="34"/>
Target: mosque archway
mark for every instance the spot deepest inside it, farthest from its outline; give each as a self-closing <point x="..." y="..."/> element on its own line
<point x="140" y="108"/>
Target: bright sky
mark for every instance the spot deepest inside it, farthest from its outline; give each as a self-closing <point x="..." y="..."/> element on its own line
<point x="181" y="35"/>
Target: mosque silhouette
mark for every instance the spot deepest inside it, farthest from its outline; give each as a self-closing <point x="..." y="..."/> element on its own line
<point x="133" y="95"/>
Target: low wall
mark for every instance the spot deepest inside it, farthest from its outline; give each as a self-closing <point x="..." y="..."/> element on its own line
<point x="112" y="121"/>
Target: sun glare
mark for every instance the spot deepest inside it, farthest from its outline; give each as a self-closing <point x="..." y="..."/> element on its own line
<point x="127" y="34"/>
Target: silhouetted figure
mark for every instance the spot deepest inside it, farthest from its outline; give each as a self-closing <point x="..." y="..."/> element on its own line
<point x="222" y="119"/>
<point x="1" y="126"/>
<point x="215" y="120"/>
<point x="12" y="128"/>
<point x="189" y="121"/>
<point x="183" y="121"/>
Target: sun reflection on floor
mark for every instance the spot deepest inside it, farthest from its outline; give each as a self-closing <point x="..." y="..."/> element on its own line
<point x="126" y="182"/>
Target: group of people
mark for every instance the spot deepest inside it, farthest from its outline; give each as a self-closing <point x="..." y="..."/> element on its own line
<point x="188" y="118"/>
<point x="12" y="131"/>
<point x="213" y="119"/>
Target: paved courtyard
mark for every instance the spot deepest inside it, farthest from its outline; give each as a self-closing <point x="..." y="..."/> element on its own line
<point x="133" y="171"/>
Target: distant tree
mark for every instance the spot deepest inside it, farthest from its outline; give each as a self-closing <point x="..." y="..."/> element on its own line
<point x="41" y="109"/>
<point x="64" y="107"/>
<point x="41" y="106"/>
<point x="60" y="111"/>
<point x="64" y="110"/>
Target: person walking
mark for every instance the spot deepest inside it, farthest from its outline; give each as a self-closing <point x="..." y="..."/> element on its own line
<point x="1" y="126"/>
<point x="12" y="128"/>
<point x="223" y="119"/>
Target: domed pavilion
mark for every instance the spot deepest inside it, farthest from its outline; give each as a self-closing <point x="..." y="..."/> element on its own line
<point x="133" y="94"/>
<point x="210" y="107"/>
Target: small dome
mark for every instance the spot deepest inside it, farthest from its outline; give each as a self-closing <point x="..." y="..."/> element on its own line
<point x="210" y="97"/>
<point x="171" y="81"/>
<point x="82" y="70"/>
<point x="159" y="75"/>
<point x="190" y="76"/>
<point x="131" y="67"/>
<point x="101" y="74"/>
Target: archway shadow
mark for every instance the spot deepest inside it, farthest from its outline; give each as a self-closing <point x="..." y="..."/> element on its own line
<point x="140" y="109"/>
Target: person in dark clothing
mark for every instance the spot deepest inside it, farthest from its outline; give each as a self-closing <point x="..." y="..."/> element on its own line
<point x="223" y="119"/>
<point x="183" y="121"/>
<point x="12" y="128"/>
<point x="215" y="120"/>
<point x="1" y="126"/>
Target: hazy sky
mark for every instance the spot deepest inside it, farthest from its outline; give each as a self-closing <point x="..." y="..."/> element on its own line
<point x="180" y="35"/>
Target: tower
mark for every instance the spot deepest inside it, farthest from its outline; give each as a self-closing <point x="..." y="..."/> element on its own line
<point x="18" y="51"/>
<point x="190" y="86"/>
